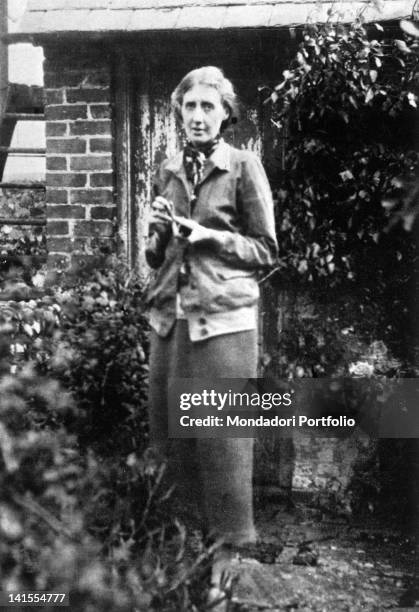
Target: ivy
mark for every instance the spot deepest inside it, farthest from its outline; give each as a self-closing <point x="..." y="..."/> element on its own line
<point x="346" y="104"/>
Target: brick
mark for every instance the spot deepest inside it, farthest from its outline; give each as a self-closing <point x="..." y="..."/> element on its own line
<point x="56" y="196"/>
<point x="56" y="260"/>
<point x="85" y="260"/>
<point x="66" y="145"/>
<point x="55" y="128"/>
<point x="60" y="244"/>
<point x="57" y="228"/>
<point x="54" y="96"/>
<point x="66" y="180"/>
<point x="65" y="111"/>
<point x="101" y="145"/>
<point x="91" y="196"/>
<point x="55" y="79"/>
<point x="103" y="212"/>
<point x="91" y="127"/>
<point x="66" y="212"/>
<point x="94" y="228"/>
<point x="100" y="111"/>
<point x="99" y="78"/>
<point x="90" y="162"/>
<point x="100" y="94"/>
<point x="102" y="179"/>
<point x="56" y="59"/>
<point x="56" y="163"/>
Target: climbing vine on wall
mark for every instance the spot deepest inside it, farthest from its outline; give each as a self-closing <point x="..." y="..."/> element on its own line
<point x="347" y="104"/>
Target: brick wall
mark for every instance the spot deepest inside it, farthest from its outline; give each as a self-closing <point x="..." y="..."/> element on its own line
<point x="80" y="166"/>
<point x="312" y="464"/>
<point x="328" y="463"/>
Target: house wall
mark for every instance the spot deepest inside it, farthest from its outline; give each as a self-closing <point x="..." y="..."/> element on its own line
<point x="80" y="178"/>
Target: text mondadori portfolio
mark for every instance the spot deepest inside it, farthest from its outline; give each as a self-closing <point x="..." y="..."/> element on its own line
<point x="263" y="421"/>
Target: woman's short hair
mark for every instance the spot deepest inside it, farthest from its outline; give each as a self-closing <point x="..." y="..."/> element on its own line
<point x="213" y="77"/>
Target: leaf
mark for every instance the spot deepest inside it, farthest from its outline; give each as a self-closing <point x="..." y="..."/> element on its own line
<point x="401" y="45"/>
<point x="302" y="266"/>
<point x="280" y="86"/>
<point x="379" y="27"/>
<point x="346" y="175"/>
<point x="369" y="96"/>
<point x="373" y="75"/>
<point x="412" y="99"/>
<point x="353" y="102"/>
<point x="388" y="204"/>
<point x="300" y="58"/>
<point x="409" y="28"/>
<point x="408" y="221"/>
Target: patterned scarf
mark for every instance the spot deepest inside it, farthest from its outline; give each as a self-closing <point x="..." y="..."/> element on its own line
<point x="194" y="162"/>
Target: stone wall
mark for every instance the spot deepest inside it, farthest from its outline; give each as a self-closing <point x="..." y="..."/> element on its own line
<point x="80" y="166"/>
<point x="326" y="463"/>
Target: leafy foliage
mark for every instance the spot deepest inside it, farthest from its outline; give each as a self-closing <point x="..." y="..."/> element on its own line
<point x="76" y="521"/>
<point x="23" y="249"/>
<point x="346" y="105"/>
<point x="327" y="339"/>
<point x="91" y="333"/>
<point x="101" y="354"/>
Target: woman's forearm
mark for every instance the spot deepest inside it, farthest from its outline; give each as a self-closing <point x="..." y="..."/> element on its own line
<point x="236" y="249"/>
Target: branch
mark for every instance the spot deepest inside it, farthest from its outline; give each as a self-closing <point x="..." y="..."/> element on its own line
<point x="32" y="506"/>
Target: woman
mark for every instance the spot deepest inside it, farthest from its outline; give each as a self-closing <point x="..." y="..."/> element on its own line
<point x="210" y="232"/>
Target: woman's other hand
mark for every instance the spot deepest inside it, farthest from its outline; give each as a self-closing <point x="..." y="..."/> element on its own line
<point x="161" y="215"/>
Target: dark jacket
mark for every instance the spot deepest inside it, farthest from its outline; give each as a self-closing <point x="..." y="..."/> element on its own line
<point x="236" y="237"/>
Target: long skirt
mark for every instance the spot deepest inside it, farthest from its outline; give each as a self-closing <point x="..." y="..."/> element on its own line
<point x="216" y="472"/>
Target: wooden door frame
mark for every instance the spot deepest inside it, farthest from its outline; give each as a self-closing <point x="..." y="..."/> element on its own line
<point x="124" y="167"/>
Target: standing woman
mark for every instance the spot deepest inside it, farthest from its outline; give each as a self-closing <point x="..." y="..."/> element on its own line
<point x="211" y="231"/>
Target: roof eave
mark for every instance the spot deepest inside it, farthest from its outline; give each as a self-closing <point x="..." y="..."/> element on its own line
<point x="39" y="38"/>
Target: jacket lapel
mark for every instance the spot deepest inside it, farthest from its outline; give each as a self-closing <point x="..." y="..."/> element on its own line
<point x="219" y="159"/>
<point x="176" y="167"/>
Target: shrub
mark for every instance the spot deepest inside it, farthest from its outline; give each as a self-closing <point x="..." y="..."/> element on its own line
<point x="346" y="105"/>
<point x="91" y="333"/>
<point x="98" y="528"/>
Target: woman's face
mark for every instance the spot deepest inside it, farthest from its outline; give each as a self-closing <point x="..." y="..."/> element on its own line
<point x="202" y="114"/>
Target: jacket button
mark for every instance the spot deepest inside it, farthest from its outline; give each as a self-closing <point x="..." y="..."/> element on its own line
<point x="204" y="332"/>
<point x="202" y="321"/>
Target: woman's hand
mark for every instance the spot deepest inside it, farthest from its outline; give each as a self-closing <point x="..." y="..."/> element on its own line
<point x="160" y="224"/>
<point x="192" y="231"/>
<point x="161" y="213"/>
